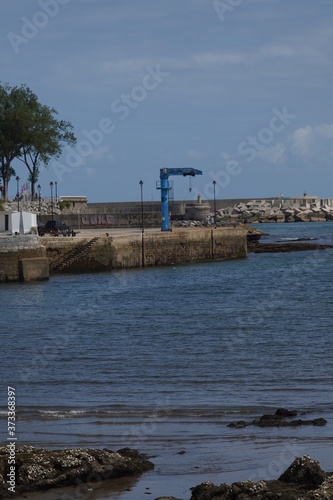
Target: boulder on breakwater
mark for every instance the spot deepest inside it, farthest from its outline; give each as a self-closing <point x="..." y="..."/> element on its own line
<point x="276" y="210"/>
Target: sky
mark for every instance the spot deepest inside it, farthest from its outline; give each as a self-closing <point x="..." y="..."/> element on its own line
<point x="239" y="89"/>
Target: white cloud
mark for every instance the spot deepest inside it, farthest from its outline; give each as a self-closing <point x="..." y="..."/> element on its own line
<point x="325" y="130"/>
<point x="102" y="153"/>
<point x="221" y="58"/>
<point x="194" y="155"/>
<point x="313" y="143"/>
<point x="274" y="154"/>
<point x="287" y="51"/>
<point x="302" y="141"/>
<point x="91" y="172"/>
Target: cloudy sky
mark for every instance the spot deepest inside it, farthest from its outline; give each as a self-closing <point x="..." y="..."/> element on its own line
<point x="240" y="89"/>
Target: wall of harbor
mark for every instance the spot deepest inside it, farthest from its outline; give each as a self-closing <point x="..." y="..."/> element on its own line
<point x="108" y="215"/>
<point x="151" y="249"/>
<point x="22" y="258"/>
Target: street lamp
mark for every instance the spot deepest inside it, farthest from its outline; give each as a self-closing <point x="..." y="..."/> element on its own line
<point x="214" y="184"/>
<point x="51" y="186"/>
<point x="56" y="191"/>
<point x="142" y="226"/>
<point x="39" y="188"/>
<point x="18" y="193"/>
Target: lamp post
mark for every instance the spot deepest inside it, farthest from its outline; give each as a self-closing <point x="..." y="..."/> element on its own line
<point x="214" y="184"/>
<point x="56" y="191"/>
<point x="18" y="193"/>
<point x="51" y="186"/>
<point x="142" y="226"/>
<point x="39" y="188"/>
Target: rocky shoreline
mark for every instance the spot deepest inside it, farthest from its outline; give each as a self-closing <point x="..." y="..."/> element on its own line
<point x="255" y="246"/>
<point x="37" y="470"/>
<point x="304" y="479"/>
<point x="285" y="247"/>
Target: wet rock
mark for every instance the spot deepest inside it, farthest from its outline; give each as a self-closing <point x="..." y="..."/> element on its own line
<point x="40" y="469"/>
<point x="304" y="471"/>
<point x="303" y="480"/>
<point x="238" y="425"/>
<point x="286" y="247"/>
<point x="167" y="498"/>
<point x="281" y="418"/>
<point x="208" y="490"/>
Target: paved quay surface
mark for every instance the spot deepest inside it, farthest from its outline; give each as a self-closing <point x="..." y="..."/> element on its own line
<point x="92" y="233"/>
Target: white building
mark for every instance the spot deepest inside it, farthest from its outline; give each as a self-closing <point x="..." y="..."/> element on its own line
<point x="18" y="222"/>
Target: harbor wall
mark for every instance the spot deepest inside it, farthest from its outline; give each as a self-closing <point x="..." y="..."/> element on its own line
<point x="30" y="258"/>
<point x="22" y="258"/>
<point x="149" y="250"/>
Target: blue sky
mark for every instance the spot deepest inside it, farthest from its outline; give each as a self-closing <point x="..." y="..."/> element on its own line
<point x="240" y="89"/>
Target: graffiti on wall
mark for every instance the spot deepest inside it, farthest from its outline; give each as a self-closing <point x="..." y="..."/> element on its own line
<point x="96" y="220"/>
<point x="136" y="219"/>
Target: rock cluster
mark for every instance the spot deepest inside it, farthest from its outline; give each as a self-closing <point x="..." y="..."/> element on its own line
<point x="276" y="211"/>
<point x="33" y="206"/>
<point x="281" y="418"/>
<point x="40" y="469"/>
<point x="303" y="480"/>
<point x="191" y="223"/>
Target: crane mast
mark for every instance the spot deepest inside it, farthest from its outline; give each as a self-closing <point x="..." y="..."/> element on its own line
<point x="164" y="186"/>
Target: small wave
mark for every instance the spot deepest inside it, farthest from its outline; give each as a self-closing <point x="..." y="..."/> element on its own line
<point x="297" y="239"/>
<point x="131" y="414"/>
<point x="62" y="413"/>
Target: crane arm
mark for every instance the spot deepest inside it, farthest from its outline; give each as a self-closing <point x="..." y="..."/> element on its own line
<point x="166" y="172"/>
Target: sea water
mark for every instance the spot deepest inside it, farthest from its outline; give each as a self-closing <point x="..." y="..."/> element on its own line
<point x="163" y="359"/>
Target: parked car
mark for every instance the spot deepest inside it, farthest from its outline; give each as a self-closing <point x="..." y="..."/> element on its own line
<point x="54" y="227"/>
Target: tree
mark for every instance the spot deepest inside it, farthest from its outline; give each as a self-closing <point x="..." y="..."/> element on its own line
<point x="30" y="132"/>
<point x="45" y="140"/>
<point x="14" y="111"/>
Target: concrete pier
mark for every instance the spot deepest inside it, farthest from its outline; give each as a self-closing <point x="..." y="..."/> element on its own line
<point x="95" y="250"/>
<point x="22" y="258"/>
<point x="30" y="258"/>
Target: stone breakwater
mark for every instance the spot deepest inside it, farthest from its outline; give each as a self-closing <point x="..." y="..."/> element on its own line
<point x="276" y="210"/>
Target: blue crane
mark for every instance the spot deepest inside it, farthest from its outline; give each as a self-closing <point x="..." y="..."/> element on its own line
<point x="164" y="186"/>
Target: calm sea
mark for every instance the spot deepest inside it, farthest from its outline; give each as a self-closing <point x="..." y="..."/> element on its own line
<point x="164" y="359"/>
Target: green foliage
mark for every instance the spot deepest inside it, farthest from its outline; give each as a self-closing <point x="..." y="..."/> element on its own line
<point x="30" y="132"/>
<point x="2" y="208"/>
<point x="64" y="204"/>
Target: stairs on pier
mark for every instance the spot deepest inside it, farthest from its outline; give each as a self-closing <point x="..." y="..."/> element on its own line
<point x="72" y="256"/>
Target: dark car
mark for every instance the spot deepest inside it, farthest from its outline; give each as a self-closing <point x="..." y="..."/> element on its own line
<point x="54" y="227"/>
